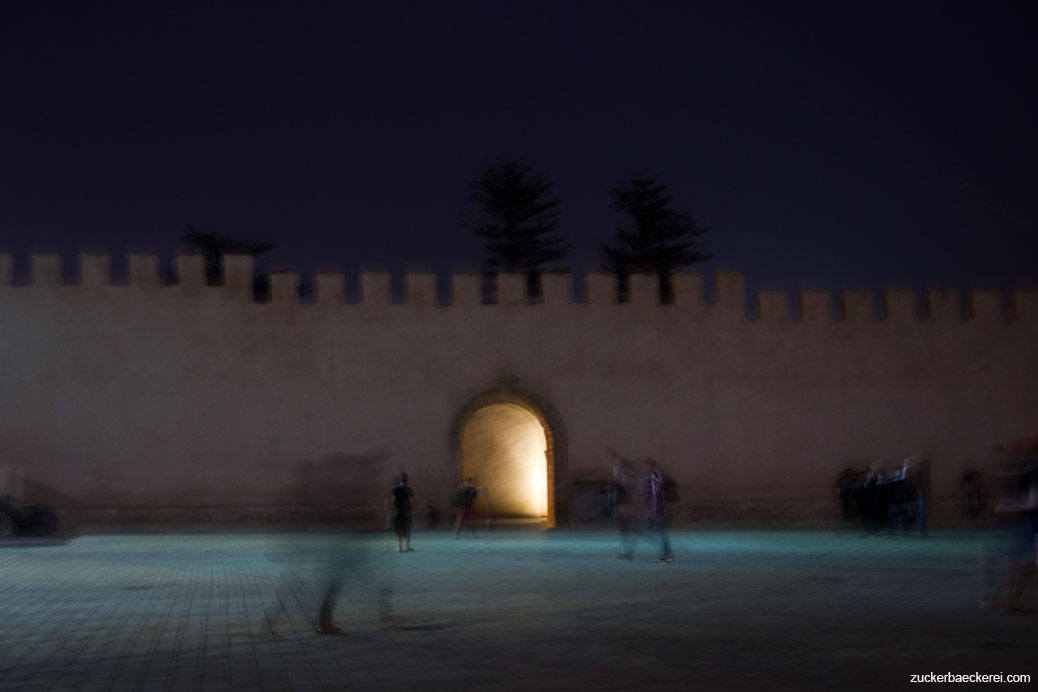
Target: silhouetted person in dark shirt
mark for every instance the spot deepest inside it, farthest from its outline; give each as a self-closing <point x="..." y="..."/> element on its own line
<point x="845" y="489"/>
<point x="403" y="514"/>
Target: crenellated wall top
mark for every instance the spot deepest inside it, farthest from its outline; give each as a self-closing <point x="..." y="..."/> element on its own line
<point x="730" y="296"/>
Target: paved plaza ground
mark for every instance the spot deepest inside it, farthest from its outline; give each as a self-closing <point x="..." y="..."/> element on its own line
<point x="512" y="610"/>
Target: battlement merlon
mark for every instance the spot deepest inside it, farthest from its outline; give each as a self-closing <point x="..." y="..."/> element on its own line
<point x="466" y="290"/>
<point x="772" y="306"/>
<point x="815" y="306"/>
<point x="375" y="288"/>
<point x="1025" y="305"/>
<point x="901" y="306"/>
<point x="512" y="289"/>
<point x="284" y="288"/>
<point x="557" y="289"/>
<point x="644" y="290"/>
<point x="191" y="272"/>
<point x="600" y="288"/>
<point x="95" y="271"/>
<point x="144" y="271"/>
<point x="331" y="289"/>
<point x="46" y="270"/>
<point x="986" y="306"/>
<point x="688" y="290"/>
<point x="421" y="289"/>
<point x="857" y="306"/>
<point x="730" y="292"/>
<point x="238" y="272"/>
<point x="943" y="305"/>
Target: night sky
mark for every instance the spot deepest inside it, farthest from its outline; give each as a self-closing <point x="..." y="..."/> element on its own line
<point x="826" y="144"/>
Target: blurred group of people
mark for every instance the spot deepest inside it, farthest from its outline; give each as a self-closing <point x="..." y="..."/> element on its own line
<point x="640" y="497"/>
<point x="884" y="499"/>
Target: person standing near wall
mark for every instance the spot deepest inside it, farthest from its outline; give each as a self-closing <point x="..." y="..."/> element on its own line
<point x="654" y="494"/>
<point x="845" y="485"/>
<point x="878" y="498"/>
<point x="403" y="514"/>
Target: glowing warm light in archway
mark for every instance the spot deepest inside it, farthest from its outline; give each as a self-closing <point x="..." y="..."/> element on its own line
<point x="503" y="446"/>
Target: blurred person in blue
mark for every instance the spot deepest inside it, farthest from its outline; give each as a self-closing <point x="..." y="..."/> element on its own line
<point x="654" y="496"/>
<point x="625" y="492"/>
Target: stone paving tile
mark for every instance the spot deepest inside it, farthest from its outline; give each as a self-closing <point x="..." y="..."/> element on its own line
<point x="513" y="610"/>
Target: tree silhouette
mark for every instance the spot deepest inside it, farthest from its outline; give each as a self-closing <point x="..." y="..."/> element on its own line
<point x="518" y="221"/>
<point x="213" y="246"/>
<point x="660" y="240"/>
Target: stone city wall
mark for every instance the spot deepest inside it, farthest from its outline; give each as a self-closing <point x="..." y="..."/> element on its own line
<point x="148" y="399"/>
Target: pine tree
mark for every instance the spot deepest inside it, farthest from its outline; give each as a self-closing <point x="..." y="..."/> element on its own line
<point x="518" y="221"/>
<point x="661" y="240"/>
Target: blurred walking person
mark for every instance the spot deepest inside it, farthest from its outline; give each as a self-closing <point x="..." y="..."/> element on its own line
<point x="464" y="506"/>
<point x="624" y="494"/>
<point x="654" y="495"/>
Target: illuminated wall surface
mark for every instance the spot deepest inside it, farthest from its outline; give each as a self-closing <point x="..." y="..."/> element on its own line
<point x="503" y="448"/>
<point x="192" y="396"/>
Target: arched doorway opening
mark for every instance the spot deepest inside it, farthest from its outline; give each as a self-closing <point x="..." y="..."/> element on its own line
<point x="514" y="444"/>
<point x="504" y="447"/>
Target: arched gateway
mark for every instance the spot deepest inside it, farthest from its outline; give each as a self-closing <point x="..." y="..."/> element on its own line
<point x="514" y="443"/>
